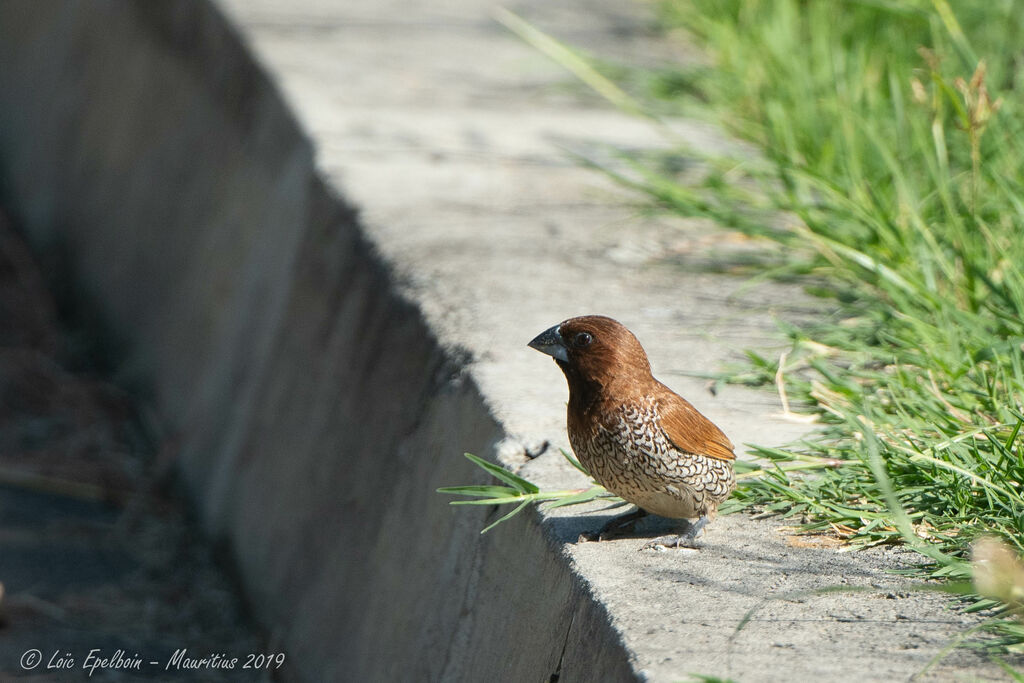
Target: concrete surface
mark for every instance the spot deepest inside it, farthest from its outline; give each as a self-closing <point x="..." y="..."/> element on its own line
<point x="95" y="555"/>
<point x="151" y="162"/>
<point x="324" y="370"/>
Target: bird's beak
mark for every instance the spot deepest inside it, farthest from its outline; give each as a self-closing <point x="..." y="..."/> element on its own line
<point x="550" y="342"/>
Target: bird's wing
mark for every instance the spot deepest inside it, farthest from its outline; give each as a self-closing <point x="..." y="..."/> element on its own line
<point x="689" y="431"/>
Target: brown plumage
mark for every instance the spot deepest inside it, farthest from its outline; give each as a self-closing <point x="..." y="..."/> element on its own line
<point x="636" y="437"/>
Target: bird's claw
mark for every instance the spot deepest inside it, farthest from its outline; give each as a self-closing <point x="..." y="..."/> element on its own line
<point x="685" y="540"/>
<point x="602" y="535"/>
<point x="615" y="527"/>
<point x="662" y="542"/>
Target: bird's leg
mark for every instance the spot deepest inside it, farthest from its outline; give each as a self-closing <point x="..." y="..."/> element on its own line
<point x="615" y="526"/>
<point x="684" y="540"/>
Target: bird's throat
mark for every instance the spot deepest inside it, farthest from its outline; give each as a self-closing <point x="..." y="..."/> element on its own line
<point x="584" y="393"/>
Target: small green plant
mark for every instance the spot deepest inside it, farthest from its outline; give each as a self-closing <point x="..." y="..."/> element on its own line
<point x="520" y="492"/>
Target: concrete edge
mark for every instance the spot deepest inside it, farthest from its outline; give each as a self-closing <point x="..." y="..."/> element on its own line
<point x="314" y="408"/>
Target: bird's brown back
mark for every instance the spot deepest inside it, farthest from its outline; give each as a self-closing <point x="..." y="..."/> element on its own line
<point x="688" y="429"/>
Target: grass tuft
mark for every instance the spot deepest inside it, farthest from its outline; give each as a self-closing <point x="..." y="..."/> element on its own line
<point x="890" y="141"/>
<point x="521" y="493"/>
<point x="889" y="169"/>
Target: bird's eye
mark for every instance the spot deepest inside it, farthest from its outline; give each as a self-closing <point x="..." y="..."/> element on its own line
<point x="582" y="340"/>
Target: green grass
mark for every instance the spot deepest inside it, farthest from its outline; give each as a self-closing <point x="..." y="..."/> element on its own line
<point x="886" y="164"/>
<point x="889" y="166"/>
<point x="521" y="492"/>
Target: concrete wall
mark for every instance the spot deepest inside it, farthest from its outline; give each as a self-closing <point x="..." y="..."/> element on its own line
<point x="150" y="160"/>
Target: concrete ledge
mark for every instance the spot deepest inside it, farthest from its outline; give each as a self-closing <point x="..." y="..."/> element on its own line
<point x="142" y="145"/>
<point x="324" y="369"/>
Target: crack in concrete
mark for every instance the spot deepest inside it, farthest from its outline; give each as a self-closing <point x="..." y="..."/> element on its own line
<point x="557" y="673"/>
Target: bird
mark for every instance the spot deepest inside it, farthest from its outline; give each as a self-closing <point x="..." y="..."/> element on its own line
<point x="636" y="437"/>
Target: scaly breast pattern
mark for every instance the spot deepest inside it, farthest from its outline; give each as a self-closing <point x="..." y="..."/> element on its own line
<point x="630" y="455"/>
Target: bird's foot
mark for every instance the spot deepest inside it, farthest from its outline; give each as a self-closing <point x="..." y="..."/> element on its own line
<point x="684" y="540"/>
<point x="663" y="542"/>
<point x="616" y="526"/>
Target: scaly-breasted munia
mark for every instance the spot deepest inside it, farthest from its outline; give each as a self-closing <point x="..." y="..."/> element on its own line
<point x="635" y="436"/>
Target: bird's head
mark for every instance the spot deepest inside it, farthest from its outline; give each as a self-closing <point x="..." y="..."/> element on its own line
<point x="594" y="351"/>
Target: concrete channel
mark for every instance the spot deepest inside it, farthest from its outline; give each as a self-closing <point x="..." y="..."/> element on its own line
<point x="320" y="235"/>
